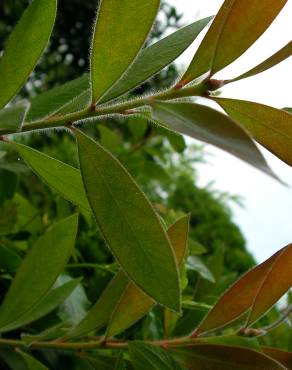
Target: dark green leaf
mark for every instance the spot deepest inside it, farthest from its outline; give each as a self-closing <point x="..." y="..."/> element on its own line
<point x="25" y="46"/>
<point x="31" y="362"/>
<point x="52" y="101"/>
<point x="129" y="223"/>
<point x="39" y="270"/>
<point x="269" y="126"/>
<point x="206" y="124"/>
<point x="236" y="27"/>
<point x="61" y="177"/>
<point x="9" y="260"/>
<point x="215" y="357"/>
<point x="51" y="301"/>
<point x="12" y="118"/>
<point x="147" y="357"/>
<point x="155" y="57"/>
<point x="120" y="32"/>
<point x="275" y="59"/>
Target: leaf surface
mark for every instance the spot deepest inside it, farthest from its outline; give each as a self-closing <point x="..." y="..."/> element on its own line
<point x="285" y="358"/>
<point x="134" y="303"/>
<point x="276" y="283"/>
<point x="236" y="27"/>
<point x="214" y="357"/>
<point x="63" y="178"/>
<point x="269" y="126"/>
<point x="31" y="363"/>
<point x="51" y="301"/>
<point x="39" y="270"/>
<point x="145" y="357"/>
<point x="206" y="124"/>
<point x="11" y="119"/>
<point x="237" y="299"/>
<point x="50" y="102"/>
<point x="129" y="223"/>
<point x="120" y="32"/>
<point x="25" y="46"/>
<point x="147" y="64"/>
<point x="275" y="59"/>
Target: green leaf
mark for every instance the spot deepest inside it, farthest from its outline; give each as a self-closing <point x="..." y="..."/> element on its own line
<point x="147" y="64"/>
<point x="276" y="283"/>
<point x="208" y="125"/>
<point x="25" y="46"/>
<point x="236" y="27"/>
<point x="120" y="32"/>
<point x="129" y="223"/>
<point x="285" y="358"/>
<point x="237" y="299"/>
<point x="31" y="362"/>
<point x="11" y="119"/>
<point x="269" y="126"/>
<point x="275" y="59"/>
<point x="39" y="270"/>
<point x="101" y="311"/>
<point x="47" y="304"/>
<point x="145" y="357"/>
<point x="9" y="260"/>
<point x="134" y="303"/>
<point x="12" y="359"/>
<point x="215" y="357"/>
<point x="63" y="178"/>
<point x="109" y="138"/>
<point x="101" y="362"/>
<point x="56" y="99"/>
<point x="195" y="264"/>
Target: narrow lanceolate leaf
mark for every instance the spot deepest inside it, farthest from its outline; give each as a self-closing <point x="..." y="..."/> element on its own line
<point x="12" y="118"/>
<point x="101" y="311"/>
<point x="25" y="46"/>
<point x="145" y="357"/>
<point x="269" y="126"/>
<point x="236" y="27"/>
<point x="120" y="32"/>
<point x="50" y="302"/>
<point x="63" y="178"/>
<point x="206" y="124"/>
<point x="39" y="270"/>
<point x="52" y="101"/>
<point x="237" y="299"/>
<point x="277" y="282"/>
<point x="129" y="223"/>
<point x="215" y="357"/>
<point x="275" y="59"/>
<point x="285" y="358"/>
<point x="31" y="363"/>
<point x="134" y="303"/>
<point x="154" y="58"/>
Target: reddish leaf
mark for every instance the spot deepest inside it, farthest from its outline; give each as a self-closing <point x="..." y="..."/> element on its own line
<point x="285" y="358"/>
<point x="237" y="299"/>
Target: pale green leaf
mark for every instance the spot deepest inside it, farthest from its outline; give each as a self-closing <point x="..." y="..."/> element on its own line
<point x="195" y="264"/>
<point x="11" y="119"/>
<point x="63" y="178"/>
<point x="236" y="27"/>
<point x="39" y="270"/>
<point x="209" y="125"/>
<point x="269" y="126"/>
<point x="25" y="46"/>
<point x="129" y="223"/>
<point x="155" y="57"/>
<point x="120" y="32"/>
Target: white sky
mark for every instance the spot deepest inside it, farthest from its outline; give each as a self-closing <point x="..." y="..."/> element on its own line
<point x="266" y="220"/>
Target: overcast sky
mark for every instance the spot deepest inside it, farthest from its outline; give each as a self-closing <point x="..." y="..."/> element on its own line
<point x="266" y="220"/>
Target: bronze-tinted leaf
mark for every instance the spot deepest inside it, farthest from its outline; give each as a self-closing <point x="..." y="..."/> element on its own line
<point x="285" y="358"/>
